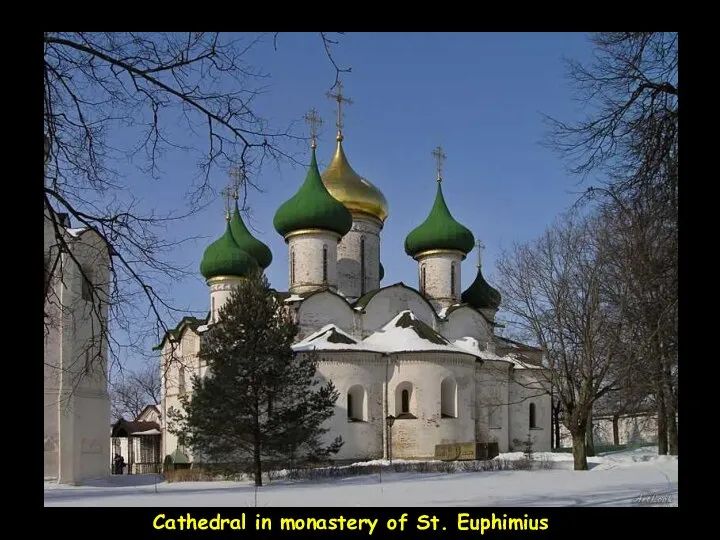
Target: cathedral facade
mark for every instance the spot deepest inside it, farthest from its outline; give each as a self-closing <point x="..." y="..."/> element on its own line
<point x="415" y="366"/>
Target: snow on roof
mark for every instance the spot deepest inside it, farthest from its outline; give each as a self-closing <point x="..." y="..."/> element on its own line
<point x="472" y="345"/>
<point x="405" y="332"/>
<point x="148" y="432"/>
<point x="443" y="311"/>
<point x="329" y="338"/>
<point x="76" y="232"/>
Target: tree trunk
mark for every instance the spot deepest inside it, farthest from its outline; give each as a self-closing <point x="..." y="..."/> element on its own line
<point x="671" y="420"/>
<point x="589" y="439"/>
<point x="579" y="456"/>
<point x="616" y="429"/>
<point x="670" y="410"/>
<point x="553" y="439"/>
<point x="257" y="465"/>
<point x="556" y="414"/>
<point x="662" y="432"/>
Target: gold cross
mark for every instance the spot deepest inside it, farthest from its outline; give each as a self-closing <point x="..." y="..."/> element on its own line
<point x="314" y="121"/>
<point x="237" y="176"/>
<point x="440" y="157"/>
<point x="227" y="195"/>
<point x="338" y="96"/>
<point x="480" y="247"/>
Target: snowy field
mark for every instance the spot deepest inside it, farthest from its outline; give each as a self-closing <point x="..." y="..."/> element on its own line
<point x="626" y="478"/>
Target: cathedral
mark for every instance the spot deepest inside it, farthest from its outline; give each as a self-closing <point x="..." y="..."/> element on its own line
<point x="415" y="366"/>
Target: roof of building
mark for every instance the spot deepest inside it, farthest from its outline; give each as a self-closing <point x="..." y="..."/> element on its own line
<point x="225" y="258"/>
<point x="480" y="294"/>
<point x="358" y="194"/>
<point x="506" y="343"/>
<point x="312" y="207"/>
<point x="125" y="428"/>
<point x="176" y="333"/>
<point x="472" y="345"/>
<point x="329" y="338"/>
<point x="405" y="332"/>
<point x="440" y="230"/>
<point x="247" y="242"/>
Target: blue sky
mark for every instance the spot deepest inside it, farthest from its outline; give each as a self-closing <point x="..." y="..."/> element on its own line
<point x="479" y="95"/>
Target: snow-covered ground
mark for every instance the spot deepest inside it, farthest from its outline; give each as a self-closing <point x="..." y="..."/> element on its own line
<point x="624" y="478"/>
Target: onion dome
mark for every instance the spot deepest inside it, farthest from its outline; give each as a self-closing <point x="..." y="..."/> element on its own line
<point x="247" y="242"/>
<point x="312" y="207"/>
<point x="355" y="192"/>
<point x="439" y="231"/>
<point x="480" y="294"/>
<point x="225" y="258"/>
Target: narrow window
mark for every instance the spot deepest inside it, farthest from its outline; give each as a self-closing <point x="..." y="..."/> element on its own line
<point x="422" y="279"/>
<point x="86" y="287"/>
<point x="349" y="406"/>
<point x="405" y="401"/>
<point x="292" y="266"/>
<point x="362" y="266"/>
<point x="325" y="264"/>
<point x="181" y="380"/>
<point x="452" y="280"/>
<point x="212" y="309"/>
<point x="533" y="423"/>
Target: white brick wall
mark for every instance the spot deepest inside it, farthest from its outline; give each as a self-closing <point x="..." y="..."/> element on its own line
<point x="439" y="269"/>
<point x="76" y="402"/>
<point x="365" y="231"/>
<point x="388" y="302"/>
<point x="525" y="390"/>
<point x="306" y="261"/>
<point x="466" y="322"/>
<point x="325" y="308"/>
<point x="220" y="291"/>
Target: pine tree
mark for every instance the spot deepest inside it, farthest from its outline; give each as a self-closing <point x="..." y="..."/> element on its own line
<point x="258" y="401"/>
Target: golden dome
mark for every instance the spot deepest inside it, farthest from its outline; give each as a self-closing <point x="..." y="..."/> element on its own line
<point x="355" y="192"/>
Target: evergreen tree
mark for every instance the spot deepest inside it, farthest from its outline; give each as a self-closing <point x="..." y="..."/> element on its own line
<point x="258" y="401"/>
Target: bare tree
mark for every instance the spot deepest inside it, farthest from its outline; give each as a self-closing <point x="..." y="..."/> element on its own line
<point x="553" y="293"/>
<point x="641" y="240"/>
<point x="135" y="391"/>
<point x="629" y="143"/>
<point x="99" y="84"/>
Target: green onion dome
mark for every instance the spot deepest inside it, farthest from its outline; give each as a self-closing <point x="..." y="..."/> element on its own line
<point x="225" y="258"/>
<point x="439" y="231"/>
<point x="312" y="207"/>
<point x="247" y="242"/>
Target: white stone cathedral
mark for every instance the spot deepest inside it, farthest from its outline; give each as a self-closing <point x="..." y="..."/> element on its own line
<point x="415" y="367"/>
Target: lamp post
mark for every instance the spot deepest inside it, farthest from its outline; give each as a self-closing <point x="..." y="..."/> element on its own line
<point x="390" y="420"/>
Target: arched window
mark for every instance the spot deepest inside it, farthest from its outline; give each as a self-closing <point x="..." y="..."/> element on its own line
<point x="533" y="418"/>
<point x="357" y="404"/>
<point x="212" y="309"/>
<point x="404" y="404"/>
<point x="362" y="266"/>
<point x="448" y="398"/>
<point x="325" y="263"/>
<point x="422" y="279"/>
<point x="452" y="279"/>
